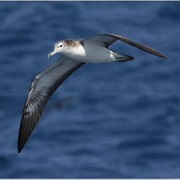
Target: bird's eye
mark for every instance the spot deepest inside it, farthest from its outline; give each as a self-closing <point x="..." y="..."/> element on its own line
<point x="60" y="45"/>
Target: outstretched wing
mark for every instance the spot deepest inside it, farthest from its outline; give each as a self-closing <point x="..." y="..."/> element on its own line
<point x="108" y="39"/>
<point x="42" y="88"/>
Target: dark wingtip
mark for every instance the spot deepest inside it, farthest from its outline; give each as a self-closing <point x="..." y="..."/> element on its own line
<point x="20" y="146"/>
<point x="165" y="57"/>
<point x="19" y="150"/>
<point x="22" y="138"/>
<point x="161" y="55"/>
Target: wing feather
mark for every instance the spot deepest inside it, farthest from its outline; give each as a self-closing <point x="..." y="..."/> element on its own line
<point x="42" y="88"/>
<point x="108" y="39"/>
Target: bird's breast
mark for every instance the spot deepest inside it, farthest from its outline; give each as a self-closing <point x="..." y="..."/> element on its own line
<point x="90" y="54"/>
<point x="96" y="54"/>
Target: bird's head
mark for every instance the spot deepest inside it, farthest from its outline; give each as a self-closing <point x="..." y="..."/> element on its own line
<point x="59" y="47"/>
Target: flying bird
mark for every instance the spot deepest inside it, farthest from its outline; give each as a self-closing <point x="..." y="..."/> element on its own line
<point x="75" y="54"/>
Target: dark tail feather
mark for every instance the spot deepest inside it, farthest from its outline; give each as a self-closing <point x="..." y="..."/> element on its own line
<point x="122" y="57"/>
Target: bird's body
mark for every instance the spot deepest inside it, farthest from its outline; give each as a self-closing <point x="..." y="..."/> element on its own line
<point x="88" y="52"/>
<point x="75" y="54"/>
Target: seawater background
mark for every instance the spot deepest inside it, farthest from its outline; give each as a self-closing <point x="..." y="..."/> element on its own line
<point x="118" y="120"/>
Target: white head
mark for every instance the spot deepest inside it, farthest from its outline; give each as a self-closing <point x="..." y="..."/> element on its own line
<point x="59" y="47"/>
<point x="63" y="47"/>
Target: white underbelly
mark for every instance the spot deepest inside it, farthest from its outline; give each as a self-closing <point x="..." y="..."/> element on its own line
<point x="93" y="54"/>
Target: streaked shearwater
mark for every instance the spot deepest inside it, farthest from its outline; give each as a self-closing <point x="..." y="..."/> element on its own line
<point x="75" y="54"/>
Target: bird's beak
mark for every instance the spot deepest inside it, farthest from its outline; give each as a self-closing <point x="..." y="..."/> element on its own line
<point x="52" y="53"/>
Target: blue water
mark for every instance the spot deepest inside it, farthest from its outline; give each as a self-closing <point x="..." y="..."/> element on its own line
<point x="118" y="120"/>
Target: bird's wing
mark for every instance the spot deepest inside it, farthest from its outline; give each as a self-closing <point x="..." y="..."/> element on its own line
<point x="108" y="39"/>
<point x="43" y="86"/>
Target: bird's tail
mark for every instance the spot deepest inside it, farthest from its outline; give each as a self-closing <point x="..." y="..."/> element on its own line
<point x="122" y="57"/>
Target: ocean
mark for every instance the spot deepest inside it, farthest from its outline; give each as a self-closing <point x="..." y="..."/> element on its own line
<point x="111" y="120"/>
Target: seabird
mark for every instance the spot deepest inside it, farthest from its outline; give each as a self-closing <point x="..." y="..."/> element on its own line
<point x="75" y="54"/>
